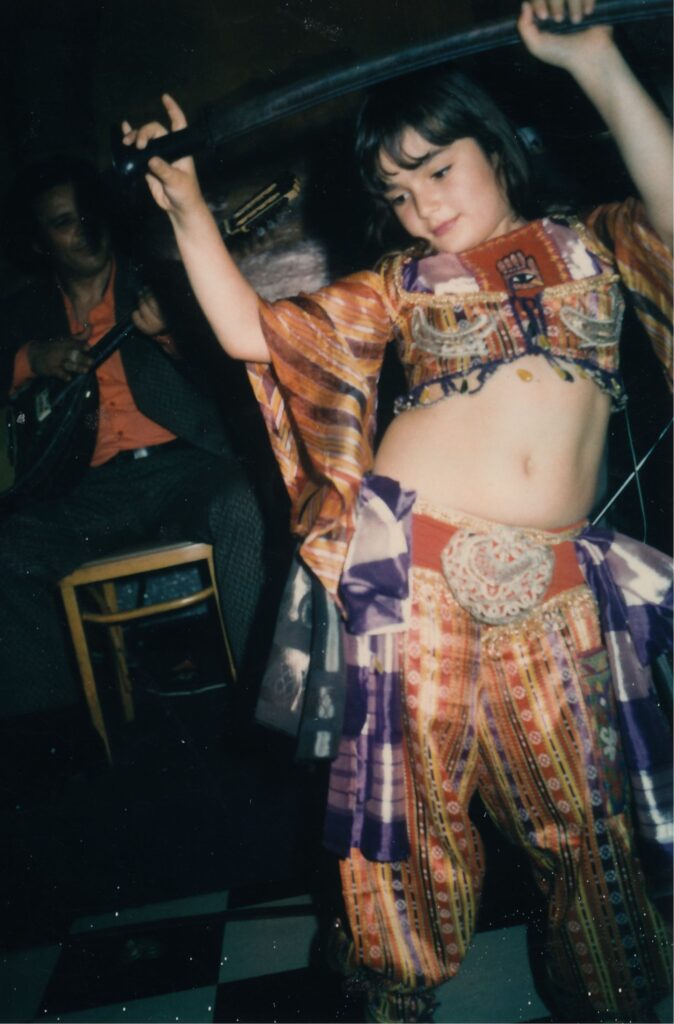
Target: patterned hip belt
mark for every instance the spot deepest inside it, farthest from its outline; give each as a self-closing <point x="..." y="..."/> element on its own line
<point x="496" y="573"/>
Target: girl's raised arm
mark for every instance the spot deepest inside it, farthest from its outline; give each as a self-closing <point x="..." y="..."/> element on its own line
<point x="229" y="302"/>
<point x="642" y="132"/>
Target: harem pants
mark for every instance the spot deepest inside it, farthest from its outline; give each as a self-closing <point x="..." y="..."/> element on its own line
<point x="525" y="715"/>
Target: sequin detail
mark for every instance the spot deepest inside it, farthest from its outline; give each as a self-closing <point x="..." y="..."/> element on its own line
<point x="466" y="341"/>
<point x="596" y="332"/>
<point x="552" y="615"/>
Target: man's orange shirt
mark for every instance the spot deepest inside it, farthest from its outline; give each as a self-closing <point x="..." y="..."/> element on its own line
<point x="122" y="426"/>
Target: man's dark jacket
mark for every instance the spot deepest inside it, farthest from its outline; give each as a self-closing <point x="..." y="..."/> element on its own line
<point x="160" y="385"/>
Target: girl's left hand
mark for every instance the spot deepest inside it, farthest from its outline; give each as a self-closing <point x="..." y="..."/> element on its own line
<point x="562" y="50"/>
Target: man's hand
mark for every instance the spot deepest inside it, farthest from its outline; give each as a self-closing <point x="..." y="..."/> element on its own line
<point x="63" y="358"/>
<point x="148" y="317"/>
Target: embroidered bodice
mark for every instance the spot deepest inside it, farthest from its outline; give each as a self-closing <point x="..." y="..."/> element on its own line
<point x="542" y="289"/>
<point x="551" y="288"/>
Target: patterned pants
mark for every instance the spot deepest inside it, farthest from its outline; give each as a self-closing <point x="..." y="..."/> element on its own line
<point x="524" y="714"/>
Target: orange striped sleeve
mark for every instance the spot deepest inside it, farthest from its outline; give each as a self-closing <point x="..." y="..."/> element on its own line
<point x="318" y="399"/>
<point x="645" y="265"/>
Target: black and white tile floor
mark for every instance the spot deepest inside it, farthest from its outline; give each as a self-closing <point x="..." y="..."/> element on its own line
<point x="220" y="958"/>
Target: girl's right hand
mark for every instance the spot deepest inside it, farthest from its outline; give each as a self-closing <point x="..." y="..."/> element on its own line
<point x="174" y="187"/>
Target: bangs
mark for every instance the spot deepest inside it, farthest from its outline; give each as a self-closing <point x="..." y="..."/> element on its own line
<point x="442" y="106"/>
<point x="392" y="145"/>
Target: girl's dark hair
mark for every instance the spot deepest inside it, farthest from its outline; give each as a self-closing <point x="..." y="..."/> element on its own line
<point x="442" y="106"/>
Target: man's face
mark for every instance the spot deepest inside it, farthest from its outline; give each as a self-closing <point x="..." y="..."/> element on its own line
<point x="77" y="247"/>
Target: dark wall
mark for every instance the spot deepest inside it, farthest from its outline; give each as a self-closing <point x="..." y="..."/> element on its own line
<point x="73" y="67"/>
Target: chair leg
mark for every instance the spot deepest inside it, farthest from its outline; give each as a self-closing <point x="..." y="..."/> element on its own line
<point x="116" y="634"/>
<point x="216" y="597"/>
<point x="78" y="635"/>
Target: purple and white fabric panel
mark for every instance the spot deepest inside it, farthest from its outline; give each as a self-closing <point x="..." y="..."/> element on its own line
<point x="632" y="584"/>
<point x="374" y="587"/>
<point x="366" y="799"/>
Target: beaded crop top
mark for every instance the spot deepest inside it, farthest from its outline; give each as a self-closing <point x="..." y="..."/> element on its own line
<point x="542" y="289"/>
<point x="549" y="289"/>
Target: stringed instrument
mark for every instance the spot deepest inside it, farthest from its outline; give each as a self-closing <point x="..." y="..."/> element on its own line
<point x="48" y="429"/>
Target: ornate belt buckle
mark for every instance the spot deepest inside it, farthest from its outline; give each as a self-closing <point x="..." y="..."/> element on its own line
<point x="498" y="576"/>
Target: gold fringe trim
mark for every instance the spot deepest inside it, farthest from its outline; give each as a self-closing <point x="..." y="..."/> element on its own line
<point x="538" y="623"/>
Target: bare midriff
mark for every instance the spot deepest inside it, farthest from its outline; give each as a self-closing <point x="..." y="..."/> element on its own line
<point x="525" y="450"/>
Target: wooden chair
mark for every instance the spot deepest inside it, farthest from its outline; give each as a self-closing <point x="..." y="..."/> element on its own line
<point x="97" y="578"/>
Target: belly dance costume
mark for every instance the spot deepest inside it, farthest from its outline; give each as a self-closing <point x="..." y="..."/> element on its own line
<point x="480" y="657"/>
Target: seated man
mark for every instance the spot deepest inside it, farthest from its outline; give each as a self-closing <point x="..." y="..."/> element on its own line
<point x="162" y="467"/>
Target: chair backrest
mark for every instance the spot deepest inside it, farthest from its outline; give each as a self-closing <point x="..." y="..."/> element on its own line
<point x="135" y="561"/>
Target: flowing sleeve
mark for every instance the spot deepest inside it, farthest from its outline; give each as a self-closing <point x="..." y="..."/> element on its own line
<point x="645" y="265"/>
<point x="318" y="399"/>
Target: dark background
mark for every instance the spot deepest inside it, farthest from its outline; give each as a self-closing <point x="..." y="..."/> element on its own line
<point x="69" y="70"/>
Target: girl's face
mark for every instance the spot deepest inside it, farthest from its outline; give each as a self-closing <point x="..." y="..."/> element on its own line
<point x="453" y="199"/>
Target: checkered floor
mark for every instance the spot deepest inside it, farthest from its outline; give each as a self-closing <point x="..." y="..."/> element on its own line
<point x="223" y="957"/>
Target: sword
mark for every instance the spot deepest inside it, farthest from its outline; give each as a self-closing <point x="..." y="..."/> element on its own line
<point x="219" y="123"/>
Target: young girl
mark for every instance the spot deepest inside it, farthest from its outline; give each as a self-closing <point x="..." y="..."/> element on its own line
<point x="459" y="554"/>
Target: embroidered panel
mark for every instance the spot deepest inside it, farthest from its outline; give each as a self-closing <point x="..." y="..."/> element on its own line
<point x="497" y="576"/>
<point x="538" y="291"/>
